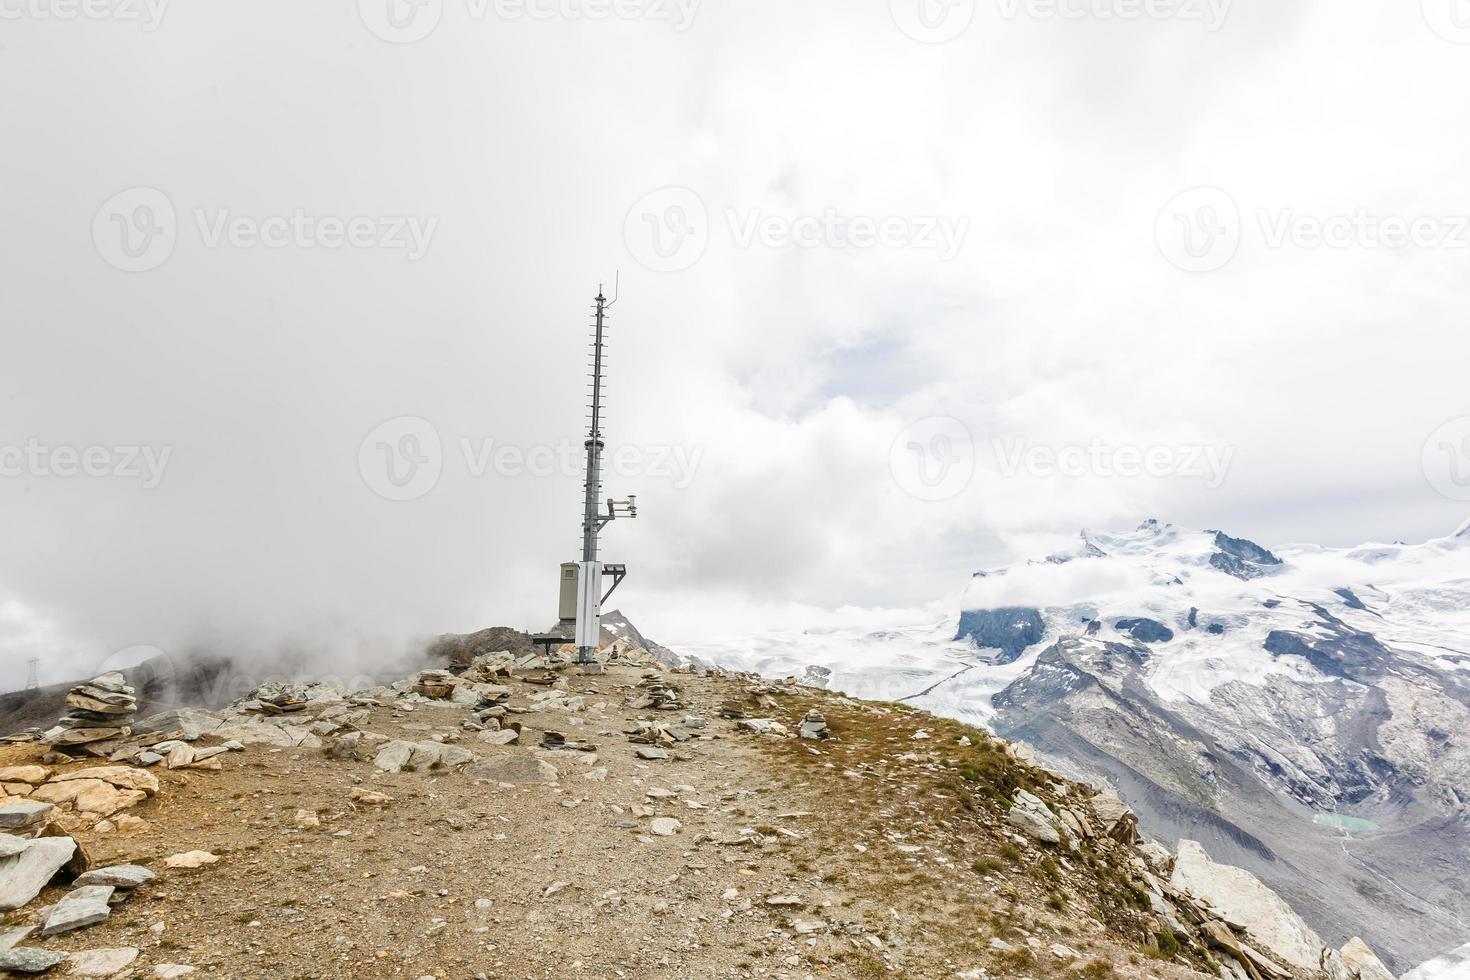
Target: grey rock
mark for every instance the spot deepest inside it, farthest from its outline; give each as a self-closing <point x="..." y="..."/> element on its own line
<point x="22" y="960"/>
<point x="514" y="769"/>
<point x="11" y="846"/>
<point x="345" y="747"/>
<point x="22" y="877"/>
<point x="1033" y="825"/>
<point x="14" y="936"/>
<point x="86" y="906"/>
<point x="394" y="756"/>
<point x="1238" y="896"/>
<point x="651" y="754"/>
<point x="102" y="962"/>
<point x="124" y="876"/>
<point x="193" y="722"/>
<point x="28" y="813"/>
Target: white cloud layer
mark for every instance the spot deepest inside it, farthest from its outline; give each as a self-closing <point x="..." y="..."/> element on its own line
<point x="305" y="160"/>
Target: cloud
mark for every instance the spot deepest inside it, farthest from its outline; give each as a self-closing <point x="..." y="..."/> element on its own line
<point x="792" y="370"/>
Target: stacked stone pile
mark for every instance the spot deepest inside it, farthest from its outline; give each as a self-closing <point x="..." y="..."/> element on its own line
<point x="101" y="710"/>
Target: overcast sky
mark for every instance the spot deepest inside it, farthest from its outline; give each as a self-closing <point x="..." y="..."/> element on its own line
<point x="295" y="299"/>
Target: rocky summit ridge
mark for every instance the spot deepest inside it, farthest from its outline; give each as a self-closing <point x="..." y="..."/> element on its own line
<point x="510" y="816"/>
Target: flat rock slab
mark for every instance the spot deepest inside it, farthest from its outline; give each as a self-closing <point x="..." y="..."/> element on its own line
<point x="190" y="859"/>
<point x="651" y="755"/>
<point x="123" y="777"/>
<point x="124" y="876"/>
<point x="18" y="816"/>
<point x="86" y="906"/>
<point x="11" y="846"/>
<point x="32" y="775"/>
<point x="102" y="962"/>
<point x="22" y="877"/>
<point x="14" y="936"/>
<point x="22" y="960"/>
<point x="515" y="769"/>
<point x="93" y="796"/>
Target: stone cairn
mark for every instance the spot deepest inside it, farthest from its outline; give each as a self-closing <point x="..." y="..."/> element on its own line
<point x="100" y="710"/>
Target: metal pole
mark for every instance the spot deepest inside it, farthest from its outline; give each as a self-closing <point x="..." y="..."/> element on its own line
<point x="591" y="584"/>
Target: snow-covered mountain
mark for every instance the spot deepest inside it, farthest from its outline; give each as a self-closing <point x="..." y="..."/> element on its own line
<point x="1304" y="711"/>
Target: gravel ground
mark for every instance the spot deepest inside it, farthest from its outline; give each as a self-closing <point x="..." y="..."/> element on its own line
<point x="878" y="860"/>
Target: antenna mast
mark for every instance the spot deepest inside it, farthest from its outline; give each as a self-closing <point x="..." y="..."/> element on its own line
<point x="589" y="585"/>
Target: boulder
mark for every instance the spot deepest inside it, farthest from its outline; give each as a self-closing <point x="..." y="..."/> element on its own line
<point x="21" y="960"/>
<point x="1033" y="817"/>
<point x="345" y="747"/>
<point x="23" y="876"/>
<point x="1241" y="898"/>
<point x="122" y="876"/>
<point x="394" y="756"/>
<point x="19" y="816"/>
<point x="1364" y="962"/>
<point x="86" y="906"/>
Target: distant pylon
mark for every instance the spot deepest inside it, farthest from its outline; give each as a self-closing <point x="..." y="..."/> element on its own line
<point x="33" y="674"/>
